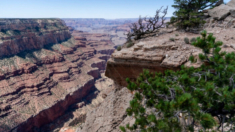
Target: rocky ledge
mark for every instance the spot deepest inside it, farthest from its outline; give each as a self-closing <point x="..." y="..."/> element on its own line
<point x="43" y="71"/>
<point x="156" y="53"/>
<point x="167" y="48"/>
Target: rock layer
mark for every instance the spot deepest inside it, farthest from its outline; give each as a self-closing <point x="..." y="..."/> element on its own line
<point x="18" y="35"/>
<point x="220" y="12"/>
<point x="41" y="77"/>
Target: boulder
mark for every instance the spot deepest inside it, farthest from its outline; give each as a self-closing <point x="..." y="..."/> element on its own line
<point x="231" y="3"/>
<point x="220" y="12"/>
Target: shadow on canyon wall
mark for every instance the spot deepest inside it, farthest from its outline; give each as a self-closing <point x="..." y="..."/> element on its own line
<point x="69" y="115"/>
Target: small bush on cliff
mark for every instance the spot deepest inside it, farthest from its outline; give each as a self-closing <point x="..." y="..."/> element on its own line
<point x="119" y="48"/>
<point x="188" y="12"/>
<point x="147" y="25"/>
<point x="129" y="43"/>
<point x="193" y="40"/>
<point x="177" y="101"/>
<point x="186" y="40"/>
<point x="172" y="39"/>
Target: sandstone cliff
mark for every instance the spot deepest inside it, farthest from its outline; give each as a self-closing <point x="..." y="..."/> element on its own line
<point x="19" y="35"/>
<point x="44" y="70"/>
<point x="157" y="52"/>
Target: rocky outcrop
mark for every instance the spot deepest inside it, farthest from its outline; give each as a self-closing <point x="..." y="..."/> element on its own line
<point x="220" y="12"/>
<point x="231" y="3"/>
<point x="43" y="72"/>
<point x="155" y="54"/>
<point x="19" y="35"/>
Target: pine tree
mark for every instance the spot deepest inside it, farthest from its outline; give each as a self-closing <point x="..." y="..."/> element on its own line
<point x="188" y="12"/>
<point x="177" y="101"/>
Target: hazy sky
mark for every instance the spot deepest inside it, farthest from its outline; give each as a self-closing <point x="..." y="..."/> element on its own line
<point x="108" y="9"/>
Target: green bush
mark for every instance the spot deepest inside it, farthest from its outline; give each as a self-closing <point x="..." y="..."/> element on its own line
<point x="176" y="34"/>
<point x="172" y="39"/>
<point x="129" y="44"/>
<point x="177" y="101"/>
<point x="193" y="40"/>
<point x="186" y="40"/>
<point x="119" y="48"/>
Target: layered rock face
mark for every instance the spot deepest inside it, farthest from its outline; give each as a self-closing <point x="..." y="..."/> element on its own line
<point x="44" y="71"/>
<point x="222" y="11"/>
<point x="18" y="35"/>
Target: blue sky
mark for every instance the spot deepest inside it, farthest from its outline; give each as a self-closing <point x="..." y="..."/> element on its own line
<point x="108" y="9"/>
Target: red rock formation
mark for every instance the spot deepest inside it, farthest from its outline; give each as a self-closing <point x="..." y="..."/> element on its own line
<point x="50" y="71"/>
<point x="18" y="35"/>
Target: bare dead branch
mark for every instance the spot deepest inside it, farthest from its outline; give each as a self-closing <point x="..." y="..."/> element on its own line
<point x="147" y="25"/>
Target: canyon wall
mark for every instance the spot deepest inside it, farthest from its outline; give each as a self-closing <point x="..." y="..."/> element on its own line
<point x="19" y="35"/>
<point x="113" y="28"/>
<point x="44" y="70"/>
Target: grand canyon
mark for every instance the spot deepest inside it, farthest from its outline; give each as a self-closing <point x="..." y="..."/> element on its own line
<point x="48" y="67"/>
<point x="66" y="75"/>
<point x="44" y="70"/>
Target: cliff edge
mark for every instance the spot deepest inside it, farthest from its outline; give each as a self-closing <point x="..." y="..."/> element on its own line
<point x="157" y="52"/>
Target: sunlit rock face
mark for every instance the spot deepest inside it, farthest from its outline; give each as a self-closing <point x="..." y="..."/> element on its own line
<point x="43" y="71"/>
<point x="19" y="35"/>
